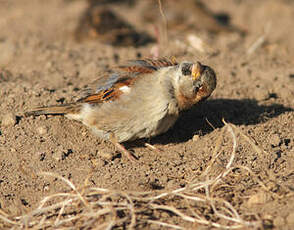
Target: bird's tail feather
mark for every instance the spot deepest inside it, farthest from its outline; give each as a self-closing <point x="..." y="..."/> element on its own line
<point x="71" y="108"/>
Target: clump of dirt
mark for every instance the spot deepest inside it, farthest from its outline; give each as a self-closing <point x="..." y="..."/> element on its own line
<point x="102" y="24"/>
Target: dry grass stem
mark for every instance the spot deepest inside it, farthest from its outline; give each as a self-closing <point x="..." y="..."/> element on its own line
<point x="260" y="40"/>
<point x="93" y="207"/>
<point x="165" y="25"/>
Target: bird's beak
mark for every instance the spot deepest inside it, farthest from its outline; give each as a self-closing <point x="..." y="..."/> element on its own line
<point x="197" y="70"/>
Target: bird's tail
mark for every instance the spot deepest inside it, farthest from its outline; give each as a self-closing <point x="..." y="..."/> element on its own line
<point x="72" y="108"/>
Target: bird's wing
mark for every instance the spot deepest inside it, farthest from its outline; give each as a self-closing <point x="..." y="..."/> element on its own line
<point x="112" y="86"/>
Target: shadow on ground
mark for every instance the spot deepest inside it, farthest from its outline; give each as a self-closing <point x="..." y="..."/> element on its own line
<point x="238" y="112"/>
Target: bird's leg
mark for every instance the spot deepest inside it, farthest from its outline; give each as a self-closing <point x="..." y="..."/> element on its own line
<point x="121" y="148"/>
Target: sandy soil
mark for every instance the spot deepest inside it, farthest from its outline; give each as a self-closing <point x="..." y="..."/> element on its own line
<point x="42" y="64"/>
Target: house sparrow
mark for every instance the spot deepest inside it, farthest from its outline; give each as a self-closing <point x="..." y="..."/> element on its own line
<point x="140" y="100"/>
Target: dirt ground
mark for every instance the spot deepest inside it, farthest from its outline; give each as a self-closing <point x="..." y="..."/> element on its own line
<point x="41" y="64"/>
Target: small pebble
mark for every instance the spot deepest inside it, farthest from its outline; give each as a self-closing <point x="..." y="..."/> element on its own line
<point x="105" y="154"/>
<point x="258" y="198"/>
<point x="39" y="156"/>
<point x="8" y="119"/>
<point x="196" y="138"/>
<point x="57" y="155"/>
<point x="42" y="130"/>
<point x="84" y="134"/>
<point x="13" y="150"/>
<point x="46" y="188"/>
<point x="275" y="140"/>
<point x="117" y="160"/>
<point x="272" y="186"/>
<point x="48" y="65"/>
<point x="97" y="162"/>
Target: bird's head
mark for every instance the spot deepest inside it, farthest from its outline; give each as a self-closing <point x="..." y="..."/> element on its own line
<point x="194" y="82"/>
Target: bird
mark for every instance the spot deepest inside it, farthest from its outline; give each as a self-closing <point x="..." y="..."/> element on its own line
<point x="140" y="99"/>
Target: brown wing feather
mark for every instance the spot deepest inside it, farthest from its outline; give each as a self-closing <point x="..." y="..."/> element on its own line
<point x="109" y="94"/>
<point x="162" y="62"/>
<point x="136" y="69"/>
<point x="55" y="110"/>
<point x="128" y="74"/>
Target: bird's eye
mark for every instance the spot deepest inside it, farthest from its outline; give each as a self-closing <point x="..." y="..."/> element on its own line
<point x="196" y="89"/>
<point x="186" y="69"/>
